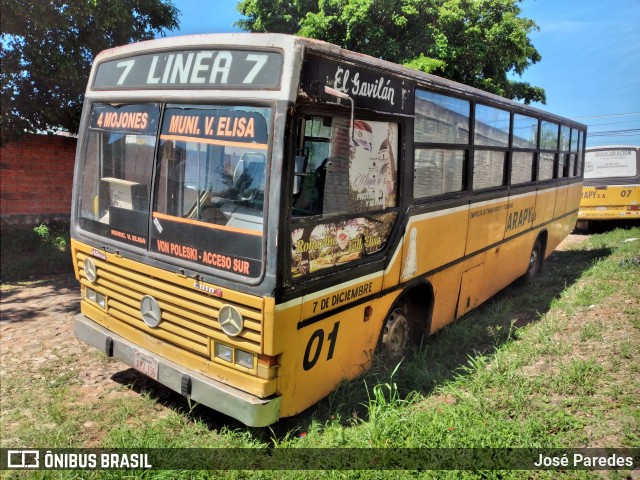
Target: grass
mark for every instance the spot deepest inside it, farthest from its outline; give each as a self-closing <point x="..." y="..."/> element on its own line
<point x="554" y="364"/>
<point x="26" y="254"/>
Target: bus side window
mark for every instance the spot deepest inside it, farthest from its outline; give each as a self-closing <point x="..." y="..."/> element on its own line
<point x="309" y="200"/>
<point x="308" y="165"/>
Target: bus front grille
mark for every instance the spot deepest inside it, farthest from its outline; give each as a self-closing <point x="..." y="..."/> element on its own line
<point x="189" y="317"/>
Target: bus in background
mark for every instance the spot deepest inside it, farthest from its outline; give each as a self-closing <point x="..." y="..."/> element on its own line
<point x="256" y="215"/>
<point x="611" y="188"/>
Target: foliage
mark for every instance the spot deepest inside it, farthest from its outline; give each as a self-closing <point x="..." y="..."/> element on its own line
<point x="50" y="238"/>
<point x="475" y="42"/>
<point x="47" y="50"/>
<point x="27" y="254"/>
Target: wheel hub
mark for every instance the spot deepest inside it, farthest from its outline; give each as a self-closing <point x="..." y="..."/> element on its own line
<point x="395" y="337"/>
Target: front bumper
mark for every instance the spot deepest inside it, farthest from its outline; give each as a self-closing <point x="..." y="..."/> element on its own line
<point x="249" y="409"/>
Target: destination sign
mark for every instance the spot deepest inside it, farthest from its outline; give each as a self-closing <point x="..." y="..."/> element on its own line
<point x="192" y="69"/>
<point x="228" y="249"/>
<point x="141" y="119"/>
<point x="217" y="125"/>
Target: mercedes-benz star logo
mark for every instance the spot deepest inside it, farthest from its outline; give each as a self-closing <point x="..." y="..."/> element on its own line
<point x="230" y="320"/>
<point x="150" y="310"/>
<point x="90" y="270"/>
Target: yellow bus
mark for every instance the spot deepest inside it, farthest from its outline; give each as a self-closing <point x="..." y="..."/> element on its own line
<point x="611" y="188"/>
<point x="254" y="216"/>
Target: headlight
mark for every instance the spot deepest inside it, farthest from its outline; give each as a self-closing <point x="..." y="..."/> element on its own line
<point x="100" y="300"/>
<point x="244" y="359"/>
<point x="95" y="297"/>
<point x="224" y="352"/>
<point x="91" y="295"/>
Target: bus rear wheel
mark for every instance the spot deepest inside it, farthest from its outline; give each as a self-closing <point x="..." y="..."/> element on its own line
<point x="396" y="334"/>
<point x="535" y="262"/>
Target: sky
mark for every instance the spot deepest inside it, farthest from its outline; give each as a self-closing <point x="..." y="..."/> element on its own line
<point x="590" y="67"/>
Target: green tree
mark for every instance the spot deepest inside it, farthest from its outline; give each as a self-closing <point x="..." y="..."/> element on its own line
<point x="47" y="50"/>
<point x="476" y="42"/>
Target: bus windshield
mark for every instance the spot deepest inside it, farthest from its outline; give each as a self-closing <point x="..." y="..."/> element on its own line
<point x="209" y="186"/>
<point x="117" y="170"/>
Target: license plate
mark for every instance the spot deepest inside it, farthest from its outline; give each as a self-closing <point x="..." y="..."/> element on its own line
<point x="145" y="364"/>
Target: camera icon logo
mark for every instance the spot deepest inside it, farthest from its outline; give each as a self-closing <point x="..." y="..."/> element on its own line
<point x="23" y="459"/>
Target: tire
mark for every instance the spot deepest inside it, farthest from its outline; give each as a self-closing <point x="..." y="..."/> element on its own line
<point x="582" y="225"/>
<point x="396" y="335"/>
<point x="536" y="258"/>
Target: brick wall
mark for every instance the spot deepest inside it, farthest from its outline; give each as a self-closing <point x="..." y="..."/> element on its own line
<point x="36" y="175"/>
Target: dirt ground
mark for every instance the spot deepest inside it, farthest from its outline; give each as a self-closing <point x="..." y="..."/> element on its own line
<point x="36" y="327"/>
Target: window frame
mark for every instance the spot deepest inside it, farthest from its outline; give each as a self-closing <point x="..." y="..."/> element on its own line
<point x="564" y="153"/>
<point x="419" y="144"/>
<point x="291" y="223"/>
<point x="95" y="226"/>
<point x="543" y="150"/>
<point x="533" y="150"/>
<point x="504" y="149"/>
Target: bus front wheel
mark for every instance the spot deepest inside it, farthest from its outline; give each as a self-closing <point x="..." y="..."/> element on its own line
<point x="396" y="334"/>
